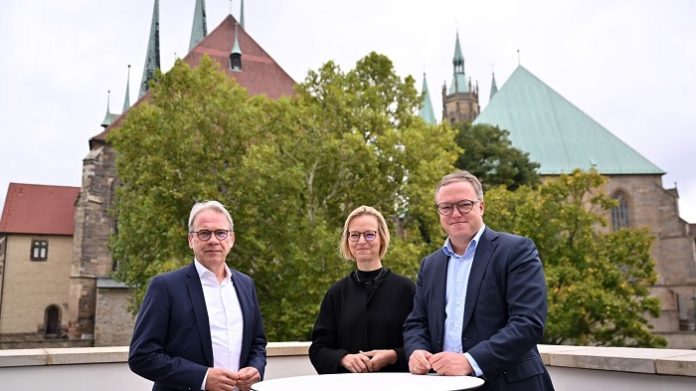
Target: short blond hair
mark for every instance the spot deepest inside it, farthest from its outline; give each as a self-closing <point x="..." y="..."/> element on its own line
<point x="382" y="230"/>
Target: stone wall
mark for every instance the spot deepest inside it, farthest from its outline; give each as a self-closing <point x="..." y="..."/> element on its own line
<point x="113" y="323"/>
<point x="93" y="228"/>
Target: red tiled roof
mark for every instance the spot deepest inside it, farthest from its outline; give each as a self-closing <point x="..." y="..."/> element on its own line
<point x="260" y="74"/>
<point x="39" y="209"/>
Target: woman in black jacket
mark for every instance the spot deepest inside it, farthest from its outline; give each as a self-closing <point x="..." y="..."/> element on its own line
<point x="360" y="322"/>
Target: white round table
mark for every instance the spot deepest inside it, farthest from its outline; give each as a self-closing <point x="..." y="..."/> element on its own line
<point x="369" y="382"/>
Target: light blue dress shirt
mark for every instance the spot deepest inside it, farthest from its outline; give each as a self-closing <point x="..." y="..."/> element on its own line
<point x="458" y="269"/>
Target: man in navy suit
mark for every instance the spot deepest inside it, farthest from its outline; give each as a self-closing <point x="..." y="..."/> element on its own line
<point x="200" y="327"/>
<point x="480" y="303"/>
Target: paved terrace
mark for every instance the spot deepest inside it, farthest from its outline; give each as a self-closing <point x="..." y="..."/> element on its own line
<point x="571" y="367"/>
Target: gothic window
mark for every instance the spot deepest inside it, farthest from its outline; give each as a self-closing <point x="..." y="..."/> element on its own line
<point x="39" y="250"/>
<point x="52" y="321"/>
<point x="619" y="213"/>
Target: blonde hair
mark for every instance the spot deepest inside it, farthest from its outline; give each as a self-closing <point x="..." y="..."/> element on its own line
<point x="383" y="231"/>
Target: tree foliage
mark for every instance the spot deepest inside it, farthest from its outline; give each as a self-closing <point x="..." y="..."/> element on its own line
<point x="489" y="154"/>
<point x="289" y="171"/>
<point x="597" y="281"/>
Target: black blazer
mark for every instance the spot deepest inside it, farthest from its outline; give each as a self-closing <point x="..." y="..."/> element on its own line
<point x="504" y="311"/>
<point x="171" y="342"/>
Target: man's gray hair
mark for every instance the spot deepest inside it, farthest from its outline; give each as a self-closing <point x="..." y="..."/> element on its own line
<point x="461" y="176"/>
<point x="198" y="207"/>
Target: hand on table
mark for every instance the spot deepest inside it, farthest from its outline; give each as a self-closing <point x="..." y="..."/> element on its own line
<point x="357" y="363"/>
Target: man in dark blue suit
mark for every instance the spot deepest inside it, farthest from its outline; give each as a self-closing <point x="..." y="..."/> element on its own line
<point x="480" y="303"/>
<point x="200" y="327"/>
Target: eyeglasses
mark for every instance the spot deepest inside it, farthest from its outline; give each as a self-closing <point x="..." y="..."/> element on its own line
<point x="463" y="206"/>
<point x="368" y="235"/>
<point x="205" y="234"/>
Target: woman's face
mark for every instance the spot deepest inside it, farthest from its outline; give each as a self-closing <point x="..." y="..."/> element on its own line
<point x="363" y="250"/>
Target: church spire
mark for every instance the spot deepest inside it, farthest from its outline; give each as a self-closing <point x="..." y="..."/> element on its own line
<point x="426" y="109"/>
<point x="152" y="56"/>
<point x="241" y="14"/>
<point x="200" y="28"/>
<point x="109" y="117"/>
<point x="236" y="53"/>
<point x="494" y="86"/>
<point x="126" y="101"/>
<point x="459" y="82"/>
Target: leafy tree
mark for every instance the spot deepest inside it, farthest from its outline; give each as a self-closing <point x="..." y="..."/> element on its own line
<point x="597" y="281"/>
<point x="290" y="171"/>
<point x="489" y="154"/>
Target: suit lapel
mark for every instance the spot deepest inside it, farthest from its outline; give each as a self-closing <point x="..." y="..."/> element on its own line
<point x="200" y="313"/>
<point x="244" y="305"/>
<point x="484" y="251"/>
<point x="439" y="284"/>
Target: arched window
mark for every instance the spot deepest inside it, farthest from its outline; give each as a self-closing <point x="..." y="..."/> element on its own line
<point x="619" y="213"/>
<point x="52" y="321"/>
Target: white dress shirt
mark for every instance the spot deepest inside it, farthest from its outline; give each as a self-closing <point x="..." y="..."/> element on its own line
<point x="225" y="318"/>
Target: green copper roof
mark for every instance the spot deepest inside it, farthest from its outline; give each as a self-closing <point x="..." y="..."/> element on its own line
<point x="200" y="28"/>
<point x="109" y="117"/>
<point x="556" y="133"/>
<point x="126" y="100"/>
<point x="459" y="82"/>
<point x="152" y="56"/>
<point x="426" y="110"/>
<point x="494" y="87"/>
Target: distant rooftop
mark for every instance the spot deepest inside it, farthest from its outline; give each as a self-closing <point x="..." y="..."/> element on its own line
<point x="556" y="134"/>
<point x="39" y="209"/>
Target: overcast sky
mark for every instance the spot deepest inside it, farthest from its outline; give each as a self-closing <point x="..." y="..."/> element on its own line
<point x="631" y="65"/>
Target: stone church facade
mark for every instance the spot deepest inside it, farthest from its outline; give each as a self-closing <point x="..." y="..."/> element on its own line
<point x="521" y="106"/>
<point x="98" y="304"/>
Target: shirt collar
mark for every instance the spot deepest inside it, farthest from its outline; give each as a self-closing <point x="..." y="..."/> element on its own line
<point x="449" y="251"/>
<point x="205" y="273"/>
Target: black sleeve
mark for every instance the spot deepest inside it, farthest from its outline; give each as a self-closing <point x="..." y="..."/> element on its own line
<point x="324" y="352"/>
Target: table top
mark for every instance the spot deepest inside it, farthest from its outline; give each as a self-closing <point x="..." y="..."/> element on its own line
<point x="369" y="382"/>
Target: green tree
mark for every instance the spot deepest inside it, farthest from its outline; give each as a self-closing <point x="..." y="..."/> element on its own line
<point x="489" y="154"/>
<point x="597" y="281"/>
<point x="289" y="171"/>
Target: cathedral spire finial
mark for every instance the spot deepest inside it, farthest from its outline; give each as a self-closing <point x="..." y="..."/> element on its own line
<point x="200" y="28"/>
<point x="109" y="116"/>
<point x="152" y="56"/>
<point x="241" y="14"/>
<point x="494" y="86"/>
<point x="236" y="53"/>
<point x="426" y="108"/>
<point x="126" y="101"/>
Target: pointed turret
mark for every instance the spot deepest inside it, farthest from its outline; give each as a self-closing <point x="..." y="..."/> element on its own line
<point x="241" y="14"/>
<point x="236" y="54"/>
<point x="200" y="28"/>
<point x="426" y="109"/>
<point x="459" y="82"/>
<point x="494" y="86"/>
<point x="126" y="100"/>
<point x="109" y="117"/>
<point x="459" y="103"/>
<point x="152" y="56"/>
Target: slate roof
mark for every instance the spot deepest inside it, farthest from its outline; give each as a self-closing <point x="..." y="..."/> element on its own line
<point x="556" y="134"/>
<point x="39" y="209"/>
<point x="260" y="74"/>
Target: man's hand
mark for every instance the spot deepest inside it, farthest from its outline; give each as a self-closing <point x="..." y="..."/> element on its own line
<point x="246" y="377"/>
<point x="357" y="363"/>
<point x="451" y="364"/>
<point x="220" y="379"/>
<point x="419" y="362"/>
<point x="381" y="358"/>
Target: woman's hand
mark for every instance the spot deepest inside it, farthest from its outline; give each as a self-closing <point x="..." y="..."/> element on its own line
<point x="381" y="358"/>
<point x="357" y="363"/>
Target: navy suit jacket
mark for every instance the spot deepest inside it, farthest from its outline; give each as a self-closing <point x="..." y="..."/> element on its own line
<point x="171" y="342"/>
<point x="504" y="311"/>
